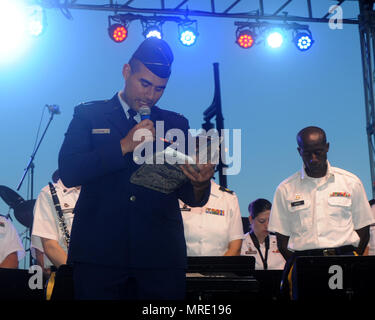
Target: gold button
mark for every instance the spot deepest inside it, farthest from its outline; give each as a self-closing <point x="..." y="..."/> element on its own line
<point x="132" y="198"/>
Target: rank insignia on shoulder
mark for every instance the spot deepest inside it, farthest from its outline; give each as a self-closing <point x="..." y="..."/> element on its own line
<point x="225" y="189"/>
<point x="185" y="208"/>
<point x="89" y="103"/>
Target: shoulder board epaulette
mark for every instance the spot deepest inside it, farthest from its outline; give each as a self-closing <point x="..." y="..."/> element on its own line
<point x="92" y="102"/>
<point x="226" y="190"/>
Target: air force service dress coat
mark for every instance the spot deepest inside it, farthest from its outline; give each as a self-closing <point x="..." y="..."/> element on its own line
<point x="118" y="223"/>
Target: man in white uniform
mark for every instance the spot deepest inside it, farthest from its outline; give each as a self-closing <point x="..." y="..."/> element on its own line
<point x="11" y="248"/>
<point x="47" y="235"/>
<point x="215" y="229"/>
<point x="320" y="210"/>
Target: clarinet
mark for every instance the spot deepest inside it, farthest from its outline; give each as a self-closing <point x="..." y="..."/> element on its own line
<point x="60" y="216"/>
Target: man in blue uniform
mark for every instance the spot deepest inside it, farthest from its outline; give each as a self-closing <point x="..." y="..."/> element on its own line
<point x="127" y="241"/>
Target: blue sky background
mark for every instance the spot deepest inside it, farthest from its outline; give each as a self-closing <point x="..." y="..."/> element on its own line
<point x="269" y="95"/>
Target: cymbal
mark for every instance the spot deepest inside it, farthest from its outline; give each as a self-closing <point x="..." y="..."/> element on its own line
<point x="24" y="213"/>
<point x="10" y="197"/>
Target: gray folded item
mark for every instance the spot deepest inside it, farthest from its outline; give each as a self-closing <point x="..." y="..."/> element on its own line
<point x="164" y="178"/>
<point x="161" y="171"/>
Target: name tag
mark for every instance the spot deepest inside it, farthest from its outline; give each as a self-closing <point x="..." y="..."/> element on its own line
<point x="101" y="131"/>
<point x="298" y="203"/>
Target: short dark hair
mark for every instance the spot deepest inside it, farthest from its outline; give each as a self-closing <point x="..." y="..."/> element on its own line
<point x="135" y="65"/>
<point x="371" y="202"/>
<point x="310" y="130"/>
<point x="258" y="206"/>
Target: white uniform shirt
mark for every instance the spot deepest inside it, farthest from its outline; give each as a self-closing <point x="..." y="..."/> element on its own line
<point x="371" y="243"/>
<point x="275" y="260"/>
<point x="46" y="223"/>
<point x="320" y="212"/>
<point x="9" y="240"/>
<point x="209" y="229"/>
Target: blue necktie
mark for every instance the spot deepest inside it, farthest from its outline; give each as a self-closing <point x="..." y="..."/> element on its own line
<point x="131" y="119"/>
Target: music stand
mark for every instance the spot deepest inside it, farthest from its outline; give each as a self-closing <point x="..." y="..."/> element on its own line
<point x="220" y="277"/>
<point x="15" y="286"/>
<point x="332" y="278"/>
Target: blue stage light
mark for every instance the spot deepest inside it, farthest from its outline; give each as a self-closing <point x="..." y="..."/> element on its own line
<point x="303" y="41"/>
<point x="188" y="37"/>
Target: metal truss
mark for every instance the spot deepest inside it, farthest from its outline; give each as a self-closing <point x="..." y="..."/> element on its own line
<point x="367" y="38"/>
<point x="254" y="9"/>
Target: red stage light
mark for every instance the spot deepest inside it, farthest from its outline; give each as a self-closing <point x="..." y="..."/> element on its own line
<point x="117" y="32"/>
<point x="245" y="39"/>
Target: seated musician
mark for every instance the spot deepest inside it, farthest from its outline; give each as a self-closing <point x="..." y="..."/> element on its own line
<point x="258" y="242"/>
<point x="215" y="229"/>
<point x="11" y="248"/>
<point x="53" y="217"/>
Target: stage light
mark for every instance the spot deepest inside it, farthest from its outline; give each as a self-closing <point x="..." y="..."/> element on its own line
<point x="188" y="32"/>
<point x="275" y="39"/>
<point x="117" y="32"/>
<point x="188" y="37"/>
<point x="245" y="38"/>
<point x="153" y="31"/>
<point x="36" y="20"/>
<point x="13" y="30"/>
<point x="303" y="41"/>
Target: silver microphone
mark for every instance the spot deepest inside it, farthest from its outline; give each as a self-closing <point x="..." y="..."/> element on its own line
<point x="145" y="112"/>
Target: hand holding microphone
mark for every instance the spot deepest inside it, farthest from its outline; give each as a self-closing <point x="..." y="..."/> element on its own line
<point x="140" y="133"/>
<point x="145" y="112"/>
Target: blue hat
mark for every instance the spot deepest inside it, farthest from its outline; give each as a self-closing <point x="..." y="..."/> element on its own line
<point x="156" y="55"/>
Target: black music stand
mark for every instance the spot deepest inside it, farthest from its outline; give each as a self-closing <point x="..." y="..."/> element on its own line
<point x="221" y="278"/>
<point x="15" y="286"/>
<point x="335" y="278"/>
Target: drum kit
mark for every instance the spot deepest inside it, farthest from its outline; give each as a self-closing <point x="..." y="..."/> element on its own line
<point x="23" y="209"/>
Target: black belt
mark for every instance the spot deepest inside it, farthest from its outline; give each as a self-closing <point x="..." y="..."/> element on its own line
<point x="326" y="251"/>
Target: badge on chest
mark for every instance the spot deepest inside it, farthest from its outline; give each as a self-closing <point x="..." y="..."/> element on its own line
<point x="217" y="212"/>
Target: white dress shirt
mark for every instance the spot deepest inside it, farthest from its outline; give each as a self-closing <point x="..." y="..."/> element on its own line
<point x="275" y="260"/>
<point x="209" y="229"/>
<point x="320" y="212"/>
<point x="371" y="243"/>
<point x="46" y="223"/>
<point x="126" y="108"/>
<point x="9" y="240"/>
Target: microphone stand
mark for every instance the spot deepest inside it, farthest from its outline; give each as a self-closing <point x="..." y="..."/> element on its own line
<point x="31" y="166"/>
